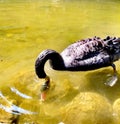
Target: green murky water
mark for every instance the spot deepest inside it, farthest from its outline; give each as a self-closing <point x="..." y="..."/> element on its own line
<point x="27" y="28"/>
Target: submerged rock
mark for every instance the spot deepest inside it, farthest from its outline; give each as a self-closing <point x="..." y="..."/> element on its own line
<point x="88" y="108"/>
<point x="116" y="109"/>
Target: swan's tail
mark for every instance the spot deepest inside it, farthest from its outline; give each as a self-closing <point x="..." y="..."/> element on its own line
<point x="113" y="47"/>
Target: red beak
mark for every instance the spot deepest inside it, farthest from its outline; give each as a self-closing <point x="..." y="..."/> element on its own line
<point x="43" y="96"/>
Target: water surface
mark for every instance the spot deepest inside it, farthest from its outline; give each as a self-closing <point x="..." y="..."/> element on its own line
<point x="27" y="28"/>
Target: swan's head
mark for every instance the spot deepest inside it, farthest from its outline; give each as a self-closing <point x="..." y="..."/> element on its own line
<point x="44" y="88"/>
<point x="39" y="69"/>
<point x="56" y="62"/>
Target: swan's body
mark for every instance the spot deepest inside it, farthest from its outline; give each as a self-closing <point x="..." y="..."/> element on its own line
<point x="83" y="55"/>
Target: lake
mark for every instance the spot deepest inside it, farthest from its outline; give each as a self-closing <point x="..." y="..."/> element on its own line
<point x="31" y="26"/>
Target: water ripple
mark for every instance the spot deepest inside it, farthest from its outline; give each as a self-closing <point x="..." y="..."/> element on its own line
<point x="13" y="89"/>
<point x="13" y="108"/>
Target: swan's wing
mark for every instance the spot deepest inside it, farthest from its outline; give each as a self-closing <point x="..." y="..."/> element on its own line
<point x="78" y="52"/>
<point x="100" y="59"/>
<point x="83" y="49"/>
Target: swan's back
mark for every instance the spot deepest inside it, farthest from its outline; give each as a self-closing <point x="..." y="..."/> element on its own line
<point x="90" y="53"/>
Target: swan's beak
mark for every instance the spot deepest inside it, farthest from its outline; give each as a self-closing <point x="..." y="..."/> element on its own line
<point x="43" y="96"/>
<point x="44" y="88"/>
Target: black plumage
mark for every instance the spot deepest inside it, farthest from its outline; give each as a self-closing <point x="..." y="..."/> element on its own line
<point x="88" y="54"/>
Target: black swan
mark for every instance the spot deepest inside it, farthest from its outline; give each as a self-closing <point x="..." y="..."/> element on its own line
<point x="83" y="55"/>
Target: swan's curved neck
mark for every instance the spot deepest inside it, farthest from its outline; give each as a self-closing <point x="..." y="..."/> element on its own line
<point x="55" y="58"/>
